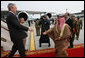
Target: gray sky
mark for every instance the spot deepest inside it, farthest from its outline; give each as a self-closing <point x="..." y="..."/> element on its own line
<point x="47" y="6"/>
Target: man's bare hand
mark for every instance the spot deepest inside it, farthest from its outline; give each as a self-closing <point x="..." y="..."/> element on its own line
<point x="30" y="29"/>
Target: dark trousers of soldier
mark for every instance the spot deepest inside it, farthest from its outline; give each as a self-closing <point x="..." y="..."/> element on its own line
<point x="77" y="34"/>
<point x="80" y="26"/>
<point x="72" y="40"/>
<point x="38" y="31"/>
<point x="18" y="45"/>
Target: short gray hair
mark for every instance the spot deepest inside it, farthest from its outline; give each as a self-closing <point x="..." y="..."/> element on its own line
<point x="10" y="5"/>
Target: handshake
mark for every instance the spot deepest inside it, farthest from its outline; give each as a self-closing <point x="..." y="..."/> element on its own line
<point x="30" y="29"/>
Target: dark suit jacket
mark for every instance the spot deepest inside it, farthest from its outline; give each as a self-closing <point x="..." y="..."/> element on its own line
<point x="70" y="23"/>
<point x="16" y="30"/>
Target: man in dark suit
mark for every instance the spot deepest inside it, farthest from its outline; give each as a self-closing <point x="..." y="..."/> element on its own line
<point x="16" y="31"/>
<point x="70" y="23"/>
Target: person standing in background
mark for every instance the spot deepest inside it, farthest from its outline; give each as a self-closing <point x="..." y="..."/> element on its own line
<point x="45" y="25"/>
<point x="74" y="30"/>
<point x="37" y="26"/>
<point x="70" y="23"/>
<point x="78" y="27"/>
<point x="29" y="22"/>
<point x="81" y="24"/>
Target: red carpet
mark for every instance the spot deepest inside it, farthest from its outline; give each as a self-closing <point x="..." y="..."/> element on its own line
<point x="77" y="51"/>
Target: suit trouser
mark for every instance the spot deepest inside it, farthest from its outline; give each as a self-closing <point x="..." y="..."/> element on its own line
<point x="18" y="45"/>
<point x="24" y="41"/>
<point x="71" y="42"/>
<point x="77" y="34"/>
<point x="72" y="39"/>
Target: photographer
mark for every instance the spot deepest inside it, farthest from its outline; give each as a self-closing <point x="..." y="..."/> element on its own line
<point x="45" y="25"/>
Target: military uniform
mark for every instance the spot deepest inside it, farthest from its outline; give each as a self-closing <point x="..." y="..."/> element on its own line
<point x="73" y="33"/>
<point x="37" y="26"/>
<point x="74" y="28"/>
<point x="77" y="28"/>
<point x="81" y="24"/>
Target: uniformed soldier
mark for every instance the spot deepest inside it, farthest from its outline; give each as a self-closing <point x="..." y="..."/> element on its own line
<point x="74" y="31"/>
<point x="29" y="22"/>
<point x="81" y="24"/>
<point x="78" y="27"/>
<point x="37" y="26"/>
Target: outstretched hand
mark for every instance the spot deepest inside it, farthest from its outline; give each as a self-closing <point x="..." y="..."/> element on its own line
<point x="30" y="29"/>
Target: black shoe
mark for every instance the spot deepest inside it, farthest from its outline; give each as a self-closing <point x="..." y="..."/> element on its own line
<point x="76" y="38"/>
<point x="49" y="45"/>
<point x="10" y="56"/>
<point x="23" y="55"/>
<point x="70" y="47"/>
<point x="39" y="45"/>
